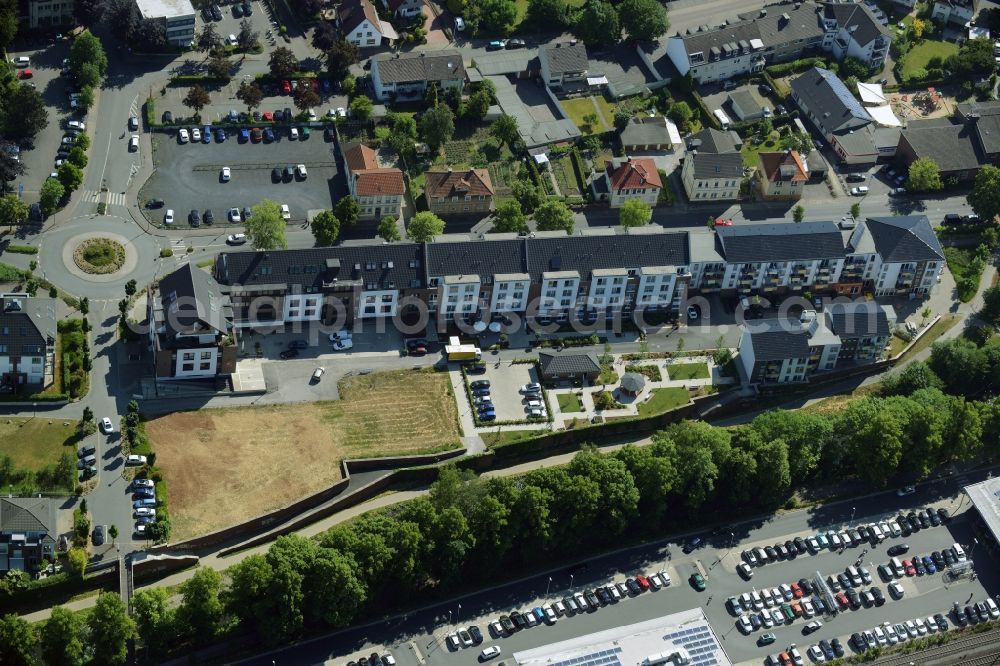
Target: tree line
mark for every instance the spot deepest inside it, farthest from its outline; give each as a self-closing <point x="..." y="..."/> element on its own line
<point x="466" y="527"/>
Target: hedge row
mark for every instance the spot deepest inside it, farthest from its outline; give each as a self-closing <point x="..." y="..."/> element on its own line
<point x="22" y="249"/>
<point x="578" y="169"/>
<point x="709" y="116"/>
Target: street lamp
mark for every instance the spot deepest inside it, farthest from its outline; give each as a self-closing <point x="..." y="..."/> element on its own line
<point x="732" y="539"/>
<point x="547" y="585"/>
<point x="459" y="611"/>
<point x="571" y="581"/>
<point x="853" y="509"/>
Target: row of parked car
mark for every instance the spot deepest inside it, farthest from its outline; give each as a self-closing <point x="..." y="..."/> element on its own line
<point x="586" y="601"/>
<point x="937" y="560"/>
<point x="889" y="633"/>
<point x="143" y="504"/>
<point x="374" y="659"/>
<point x="873" y="533"/>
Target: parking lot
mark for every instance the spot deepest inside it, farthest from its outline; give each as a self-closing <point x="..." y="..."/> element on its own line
<point x="39" y="159"/>
<point x="508" y="402"/>
<point x="194" y="169"/>
<point x="230" y="23"/>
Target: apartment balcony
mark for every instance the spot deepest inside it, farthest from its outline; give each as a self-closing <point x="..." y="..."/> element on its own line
<point x="823" y="270"/>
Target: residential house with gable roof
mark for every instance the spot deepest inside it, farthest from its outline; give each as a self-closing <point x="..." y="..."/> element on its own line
<point x="360" y="24"/>
<point x="825" y="100"/>
<point x="405" y="8"/>
<point x="27" y="342"/>
<point x="713" y="167"/>
<point x="465" y="192"/>
<point x="960" y="145"/>
<point x="378" y="190"/>
<point x="191" y="330"/>
<point x="28" y="532"/>
<point x="627" y="178"/>
<point x="650" y="133"/>
<point x="852" y="31"/>
<point x="406" y="76"/>
<point x="564" y="66"/>
<point x="781" y="175"/>
<point x="958" y="12"/>
<point x="893" y="256"/>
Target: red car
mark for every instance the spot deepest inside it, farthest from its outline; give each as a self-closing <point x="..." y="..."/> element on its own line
<point x="910" y="569"/>
<point x="797" y="591"/>
<point x="643" y="582"/>
<point x="268" y="116"/>
<point x="286" y="87"/>
<point x="25" y="74"/>
<point x="720" y="222"/>
<point x="843" y="600"/>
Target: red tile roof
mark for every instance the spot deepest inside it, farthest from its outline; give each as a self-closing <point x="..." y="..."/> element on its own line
<point x="771" y="166"/>
<point x="634" y="173"/>
<point x="474" y="182"/>
<point x="359" y="156"/>
<point x="353" y="12"/>
<point x="379" y="182"/>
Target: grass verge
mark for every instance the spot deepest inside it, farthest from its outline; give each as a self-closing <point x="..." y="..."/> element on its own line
<point x="685" y="371"/>
<point x="568" y="403"/>
<point x="664" y="399"/>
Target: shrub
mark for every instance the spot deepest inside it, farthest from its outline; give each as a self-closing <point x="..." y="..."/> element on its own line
<point x="166" y="252"/>
<point x="22" y="249"/>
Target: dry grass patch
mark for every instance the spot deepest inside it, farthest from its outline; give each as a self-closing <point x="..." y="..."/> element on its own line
<point x="227" y="465"/>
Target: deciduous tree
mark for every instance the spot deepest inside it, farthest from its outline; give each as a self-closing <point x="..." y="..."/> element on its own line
<point x="154" y="619"/>
<point x="547" y="15"/>
<point x="387" y="229"/>
<point x="87" y="48"/>
<point x="552" y="215"/>
<point x="266" y="229"/>
<point x="110" y="629"/>
<point x="798" y="213"/>
<point x="305" y="97"/>
<point x="635" y="213"/>
<point x="197" y="99"/>
<point x="62" y="638"/>
<point x="347" y="210"/>
<point x="505" y="130"/>
<point x="424" y="226"/>
<point x="340" y="57"/>
<point x="597" y="23"/>
<point x="51" y="195"/>
<point x="325" y="228"/>
<point x="13" y="210"/>
<point x="24" y="113"/>
<point x="437" y="126"/>
<point x="361" y="107"/>
<point x="493" y="17"/>
<point x="70" y="175"/>
<point x="643" y="20"/>
<point x="510" y="219"/>
<point x="200" y="612"/>
<point x="250" y="94"/>
<point x="985" y="195"/>
<point x="528" y="195"/>
<point x="17" y="641"/>
<point x="924" y="176"/>
<point x="282" y="62"/>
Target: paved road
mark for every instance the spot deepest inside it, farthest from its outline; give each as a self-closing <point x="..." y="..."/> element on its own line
<point x="426" y="628"/>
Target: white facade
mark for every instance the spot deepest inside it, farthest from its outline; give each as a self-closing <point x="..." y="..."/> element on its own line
<point x="607" y="289"/>
<point x="946" y="11"/>
<point x="197" y="362"/>
<point x="176" y="16"/>
<point x="510" y="293"/>
<point x="302" y="307"/>
<point x="708" y="189"/>
<point x="459" y="295"/>
<point x="366" y="34"/>
<point x="656" y="287"/>
<point x="704" y="67"/>
<point x="558" y="293"/>
<point x="380" y="303"/>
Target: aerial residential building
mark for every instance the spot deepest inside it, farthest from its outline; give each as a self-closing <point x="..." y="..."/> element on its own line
<point x="776" y="33"/>
<point x="45" y="13"/>
<point x="864" y="328"/>
<point x="746" y="107"/>
<point x="627" y="178"/>
<point x="645" y="133"/>
<point x="785" y="351"/>
<point x="406" y="76"/>
<point x="893" y="256"/>
<point x="464" y="192"/>
<point x="713" y="167"/>
<point x="360" y="24"/>
<point x="28" y="532"/>
<point x="852" y="31"/>
<point x="565" y="365"/>
<point x="378" y="190"/>
<point x="837" y="114"/>
<point x="781" y="175"/>
<point x="960" y="146"/>
<point x="958" y="12"/>
<point x="191" y="332"/>
<point x="27" y="342"/>
<point x="404" y="8"/>
<point x="564" y="66"/>
<point x="175" y="17"/>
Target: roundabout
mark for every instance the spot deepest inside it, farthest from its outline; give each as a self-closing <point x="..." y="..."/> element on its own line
<point x="93" y="257"/>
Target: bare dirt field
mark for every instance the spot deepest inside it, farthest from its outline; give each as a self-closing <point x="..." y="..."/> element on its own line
<point x="223" y="466"/>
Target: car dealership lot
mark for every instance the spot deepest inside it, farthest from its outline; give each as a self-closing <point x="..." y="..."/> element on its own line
<point x="194" y="169"/>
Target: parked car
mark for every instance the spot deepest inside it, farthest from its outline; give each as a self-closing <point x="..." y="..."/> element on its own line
<point x="134" y="459"/>
<point x="859" y="191"/>
<point x="106" y="426"/>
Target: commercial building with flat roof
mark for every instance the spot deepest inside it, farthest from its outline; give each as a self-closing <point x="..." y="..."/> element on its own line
<point x="671" y="640"/>
<point x="985" y="498"/>
<point x="176" y="17"/>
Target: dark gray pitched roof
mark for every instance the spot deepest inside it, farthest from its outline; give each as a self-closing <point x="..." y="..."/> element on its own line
<point x="27" y="514"/>
<point x="952" y="146"/>
<point x="190" y="301"/>
<point x="982" y="109"/>
<point x="780" y="242"/>
<point x="853" y="320"/>
<point x="393" y="266"/>
<point x="564" y="57"/>
<point x="833" y="105"/>
<point x="445" y="65"/>
<point x="482" y="258"/>
<point x="776" y="342"/>
<point x="564" y="362"/>
<point x="27" y="325"/>
<point x="988" y="134"/>
<point x="711" y="140"/>
<point x="586" y="253"/>
<point x="645" y="131"/>
<point x="905" y="238"/>
<point x="857" y="16"/>
<point x="713" y="165"/>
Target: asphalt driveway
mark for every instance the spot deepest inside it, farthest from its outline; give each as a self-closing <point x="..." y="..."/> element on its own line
<point x="194" y="170"/>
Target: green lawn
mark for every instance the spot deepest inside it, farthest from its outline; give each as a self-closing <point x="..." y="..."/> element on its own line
<point x="967" y="273"/>
<point x="664" y="399"/>
<point x="580" y="107"/>
<point x="749" y="151"/>
<point x="34" y="443"/>
<point x="921" y="54"/>
<point x="522" y="9"/>
<point x="684" y="371"/>
<point x="568" y="402"/>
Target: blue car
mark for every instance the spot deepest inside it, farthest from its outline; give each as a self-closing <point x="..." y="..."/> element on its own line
<point x="325" y="83"/>
<point x="268" y="134"/>
<point x="206" y="134"/>
<point x="220" y="135"/>
<point x="929" y="565"/>
<point x="244" y="134"/>
<point x="488" y="416"/>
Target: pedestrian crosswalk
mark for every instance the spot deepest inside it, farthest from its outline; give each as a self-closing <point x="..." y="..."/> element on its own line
<point x="110" y="198"/>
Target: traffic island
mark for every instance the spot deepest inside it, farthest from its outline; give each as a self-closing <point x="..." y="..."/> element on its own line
<point x="99" y="256"/>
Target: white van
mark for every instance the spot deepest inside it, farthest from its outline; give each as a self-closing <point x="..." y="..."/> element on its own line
<point x="876" y="533"/>
<point x="854" y="575"/>
<point x="959" y="551"/>
<point x="897" y="567"/>
<point x="22" y="61"/>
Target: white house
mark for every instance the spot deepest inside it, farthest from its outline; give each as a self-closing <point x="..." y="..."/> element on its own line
<point x="27" y="341"/>
<point x="406" y="76"/>
<point x="360" y="24"/>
